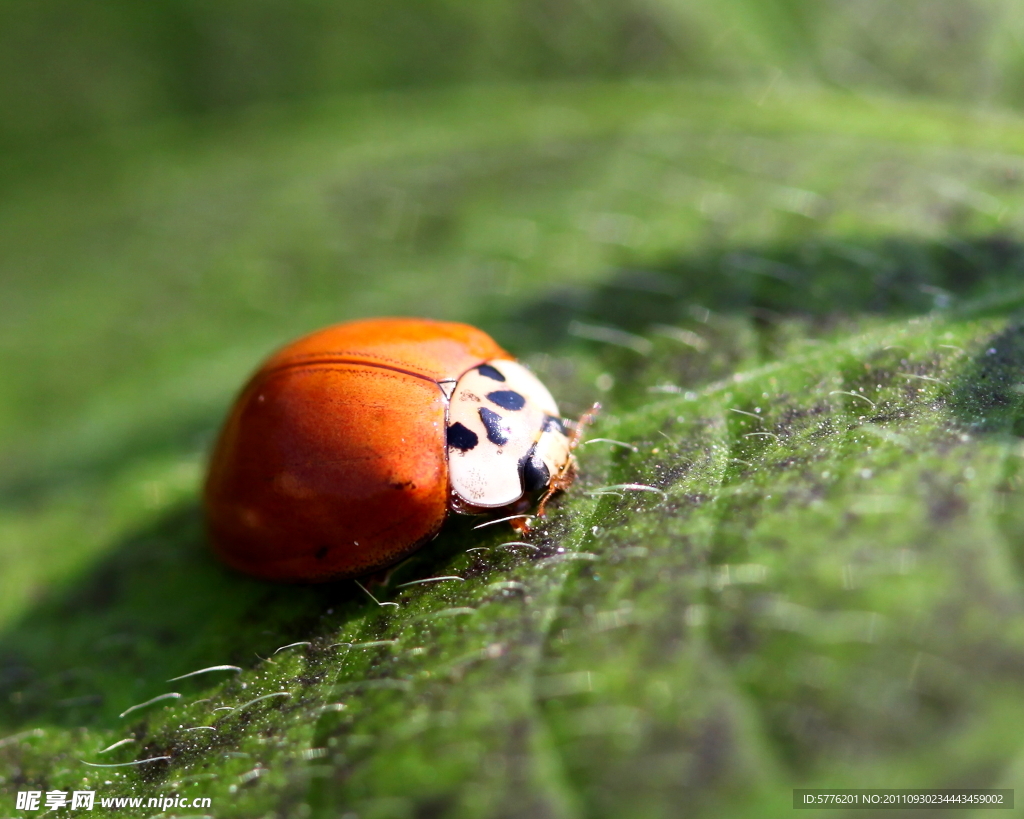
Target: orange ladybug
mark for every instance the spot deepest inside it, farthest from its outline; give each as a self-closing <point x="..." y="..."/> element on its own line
<point x="348" y="447"/>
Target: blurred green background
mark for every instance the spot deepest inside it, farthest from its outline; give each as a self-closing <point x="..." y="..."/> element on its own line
<point x="84" y="72"/>
<point x="779" y="240"/>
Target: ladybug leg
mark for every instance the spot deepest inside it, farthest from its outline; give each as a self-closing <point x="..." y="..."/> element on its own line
<point x="520" y="523"/>
<point x="562" y="481"/>
<point x="380" y="578"/>
<point x="521" y="526"/>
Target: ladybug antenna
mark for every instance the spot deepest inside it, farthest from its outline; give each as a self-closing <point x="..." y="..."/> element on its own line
<point x="580" y="426"/>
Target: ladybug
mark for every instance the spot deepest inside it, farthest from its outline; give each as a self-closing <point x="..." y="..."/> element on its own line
<point x="347" y="449"/>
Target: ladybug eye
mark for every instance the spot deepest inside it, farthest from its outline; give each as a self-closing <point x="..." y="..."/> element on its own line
<point x="535" y="472"/>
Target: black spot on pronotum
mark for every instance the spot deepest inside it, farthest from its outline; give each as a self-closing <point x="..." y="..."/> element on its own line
<point x="496" y="433"/>
<point x="535" y="472"/>
<point x="460" y="437"/>
<point x="507" y="399"/>
<point x="321" y="553"/>
<point x="552" y="424"/>
<point x="487" y="371"/>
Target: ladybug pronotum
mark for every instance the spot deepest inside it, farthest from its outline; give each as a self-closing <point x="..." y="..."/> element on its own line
<point x="347" y="449"/>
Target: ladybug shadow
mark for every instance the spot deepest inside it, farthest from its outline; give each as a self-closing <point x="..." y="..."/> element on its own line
<point x="157" y="606"/>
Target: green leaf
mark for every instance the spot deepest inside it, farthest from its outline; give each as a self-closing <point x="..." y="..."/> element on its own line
<point x="791" y="558"/>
